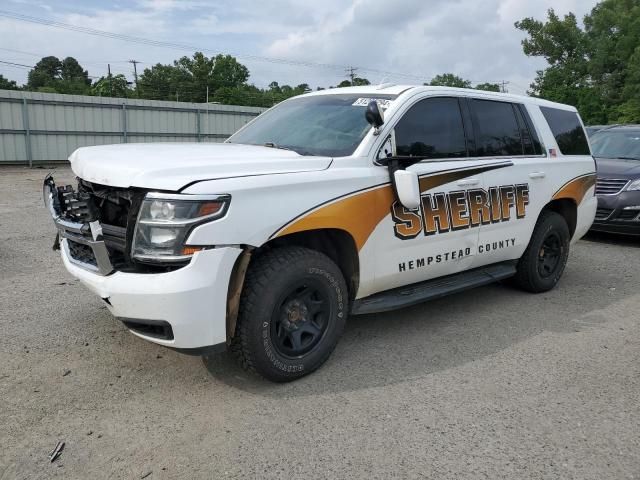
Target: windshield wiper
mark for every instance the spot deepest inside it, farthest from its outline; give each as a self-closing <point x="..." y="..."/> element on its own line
<point x="275" y="145"/>
<point x="284" y="147"/>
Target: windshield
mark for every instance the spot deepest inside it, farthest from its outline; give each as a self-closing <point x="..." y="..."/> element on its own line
<point x="326" y="125"/>
<point x="616" y="144"/>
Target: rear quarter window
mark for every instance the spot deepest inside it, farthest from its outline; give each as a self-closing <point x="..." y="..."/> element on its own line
<point x="567" y="130"/>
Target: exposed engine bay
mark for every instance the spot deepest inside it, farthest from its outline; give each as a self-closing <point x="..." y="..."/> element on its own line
<point x="112" y="211"/>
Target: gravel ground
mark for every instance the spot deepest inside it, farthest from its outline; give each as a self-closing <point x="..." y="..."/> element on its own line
<point x="492" y="383"/>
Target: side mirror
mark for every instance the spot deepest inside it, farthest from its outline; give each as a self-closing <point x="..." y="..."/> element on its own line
<point x="407" y="188"/>
<point x="374" y="115"/>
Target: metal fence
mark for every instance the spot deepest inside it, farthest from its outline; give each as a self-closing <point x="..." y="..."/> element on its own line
<point x="45" y="127"/>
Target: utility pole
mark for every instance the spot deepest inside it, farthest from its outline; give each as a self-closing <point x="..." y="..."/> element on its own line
<point x="135" y="74"/>
<point x="503" y="89"/>
<point x="351" y="73"/>
<point x="109" y="77"/>
<point x="207" y="93"/>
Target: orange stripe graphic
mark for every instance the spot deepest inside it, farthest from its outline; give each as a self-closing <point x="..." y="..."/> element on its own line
<point x="577" y="188"/>
<point x="359" y="214"/>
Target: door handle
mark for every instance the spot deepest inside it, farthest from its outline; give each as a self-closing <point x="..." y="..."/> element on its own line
<point x="537" y="175"/>
<point x="469" y="181"/>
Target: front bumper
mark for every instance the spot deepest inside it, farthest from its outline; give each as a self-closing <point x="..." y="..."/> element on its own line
<point x="191" y="300"/>
<point x="185" y="308"/>
<point x="614" y="214"/>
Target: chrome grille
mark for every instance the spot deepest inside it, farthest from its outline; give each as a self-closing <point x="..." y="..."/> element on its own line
<point x="610" y="186"/>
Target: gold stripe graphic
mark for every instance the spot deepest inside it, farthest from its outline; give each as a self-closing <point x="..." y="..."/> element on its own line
<point x="577" y="188"/>
<point x="359" y="214"/>
<point x="434" y="181"/>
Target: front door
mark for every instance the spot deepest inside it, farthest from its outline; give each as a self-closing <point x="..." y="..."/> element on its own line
<point x="435" y="239"/>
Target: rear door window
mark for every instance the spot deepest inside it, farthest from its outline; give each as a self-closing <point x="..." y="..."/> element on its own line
<point x="566" y="128"/>
<point x="497" y="130"/>
<point x="432" y="128"/>
<point x="530" y="140"/>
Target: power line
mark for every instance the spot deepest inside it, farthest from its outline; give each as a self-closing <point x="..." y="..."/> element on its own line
<point x="18" y="65"/>
<point x="83" y="61"/>
<point x="163" y="44"/>
<point x="159" y="43"/>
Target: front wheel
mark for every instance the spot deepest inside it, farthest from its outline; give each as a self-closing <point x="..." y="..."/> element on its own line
<point x="544" y="260"/>
<point x="292" y="311"/>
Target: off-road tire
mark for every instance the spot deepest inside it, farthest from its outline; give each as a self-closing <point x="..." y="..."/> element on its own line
<point x="268" y="279"/>
<point x="550" y="225"/>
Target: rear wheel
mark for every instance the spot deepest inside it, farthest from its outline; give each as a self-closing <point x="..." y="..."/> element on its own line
<point x="543" y="263"/>
<point x="292" y="311"/>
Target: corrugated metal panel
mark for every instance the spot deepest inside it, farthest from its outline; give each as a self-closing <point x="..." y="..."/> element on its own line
<point x="13" y="148"/>
<point x="58" y="124"/>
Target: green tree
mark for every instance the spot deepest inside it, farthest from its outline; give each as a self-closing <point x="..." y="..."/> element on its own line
<point x="194" y="75"/>
<point x="189" y="78"/>
<point x="228" y="72"/>
<point x="51" y="74"/>
<point x="357" y="81"/>
<point x="248" y="95"/>
<point x="360" y="81"/>
<point x="489" y="87"/>
<point x="45" y="73"/>
<point x="112" y="86"/>
<point x="6" y="84"/>
<point x="595" y="67"/>
<point x="161" y="82"/>
<point x="449" y="80"/>
<point x="73" y="78"/>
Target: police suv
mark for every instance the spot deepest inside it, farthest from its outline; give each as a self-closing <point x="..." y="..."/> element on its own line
<point x="339" y="202"/>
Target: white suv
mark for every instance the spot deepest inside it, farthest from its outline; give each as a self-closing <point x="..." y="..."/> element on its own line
<point x="336" y="203"/>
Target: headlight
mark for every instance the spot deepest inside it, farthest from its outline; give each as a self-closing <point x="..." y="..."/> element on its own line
<point x="165" y="221"/>
<point x="635" y="185"/>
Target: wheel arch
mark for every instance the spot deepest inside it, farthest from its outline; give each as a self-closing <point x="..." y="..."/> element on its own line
<point x="337" y="244"/>
<point x="568" y="209"/>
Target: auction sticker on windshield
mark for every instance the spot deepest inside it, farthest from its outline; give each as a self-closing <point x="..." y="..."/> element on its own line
<point x="363" y="102"/>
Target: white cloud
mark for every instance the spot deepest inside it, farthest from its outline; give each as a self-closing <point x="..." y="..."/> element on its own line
<point x="412" y="39"/>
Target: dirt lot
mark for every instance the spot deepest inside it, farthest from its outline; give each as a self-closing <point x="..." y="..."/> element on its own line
<point x="493" y="383"/>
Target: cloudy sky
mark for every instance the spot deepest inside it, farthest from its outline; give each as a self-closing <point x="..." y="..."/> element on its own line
<point x="290" y="41"/>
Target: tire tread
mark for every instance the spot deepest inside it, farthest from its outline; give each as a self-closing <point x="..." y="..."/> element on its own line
<point x="525" y="276"/>
<point x="262" y="268"/>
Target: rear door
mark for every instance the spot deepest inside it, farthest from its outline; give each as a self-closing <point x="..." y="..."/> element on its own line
<point x="518" y="190"/>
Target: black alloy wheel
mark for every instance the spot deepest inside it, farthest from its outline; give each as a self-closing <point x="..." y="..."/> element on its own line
<point x="550" y="255"/>
<point x="543" y="262"/>
<point x="301" y="320"/>
<point x="293" y="308"/>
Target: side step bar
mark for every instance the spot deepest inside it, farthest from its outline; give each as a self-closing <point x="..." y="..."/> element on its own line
<point x="432" y="289"/>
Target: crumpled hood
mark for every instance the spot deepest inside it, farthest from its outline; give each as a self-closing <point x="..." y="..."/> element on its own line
<point x="171" y="166"/>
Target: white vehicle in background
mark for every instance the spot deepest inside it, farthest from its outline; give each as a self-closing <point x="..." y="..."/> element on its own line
<point x="336" y="203"/>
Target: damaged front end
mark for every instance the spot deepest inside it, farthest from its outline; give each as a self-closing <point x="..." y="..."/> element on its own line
<point x="95" y="223"/>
